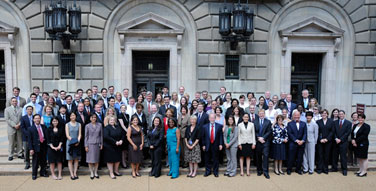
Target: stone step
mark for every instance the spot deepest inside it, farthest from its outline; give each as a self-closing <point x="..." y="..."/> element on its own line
<point x="17" y="170"/>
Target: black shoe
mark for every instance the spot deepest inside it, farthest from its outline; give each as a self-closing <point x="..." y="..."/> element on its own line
<point x="333" y="170"/>
<point x="318" y="171"/>
<point x="44" y="175"/>
<point x="225" y="174"/>
<point x="216" y="175"/>
<point x="27" y="166"/>
<point x="299" y="172"/>
<point x="10" y="158"/>
<point x="305" y="172"/>
<point x="76" y="177"/>
<point x="289" y="172"/>
<point x="277" y="173"/>
<point x="344" y="173"/>
<point x="362" y="175"/>
<point x="207" y="174"/>
<point x="326" y="172"/>
<point x="356" y="173"/>
<point x="73" y="178"/>
<point x="34" y="177"/>
<point x="310" y="173"/>
<point x="267" y="175"/>
<point x="97" y="177"/>
<point x="156" y="176"/>
<point x="92" y="177"/>
<point x="21" y="157"/>
<point x="117" y="174"/>
<point x="259" y="173"/>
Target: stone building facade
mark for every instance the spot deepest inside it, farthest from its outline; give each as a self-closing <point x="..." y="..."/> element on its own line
<point x="336" y="37"/>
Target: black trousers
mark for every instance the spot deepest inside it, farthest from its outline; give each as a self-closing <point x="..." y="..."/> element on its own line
<point x="40" y="160"/>
<point x="262" y="157"/>
<point x="323" y="152"/>
<point x="340" y="150"/>
<point x="156" y="161"/>
<point x="211" y="160"/>
<point x="295" y="155"/>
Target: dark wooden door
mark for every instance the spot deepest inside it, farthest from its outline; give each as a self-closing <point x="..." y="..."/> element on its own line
<point x="305" y="74"/>
<point x="150" y="69"/>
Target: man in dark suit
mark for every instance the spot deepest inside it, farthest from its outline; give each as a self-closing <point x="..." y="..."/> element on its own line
<point x="88" y="109"/>
<point x="61" y="100"/>
<point x="163" y="109"/>
<point x="202" y="119"/>
<point x="305" y="99"/>
<point x="297" y="135"/>
<point x="38" y="147"/>
<point x="212" y="140"/>
<point x="326" y="131"/>
<point x="153" y="114"/>
<point x="83" y="119"/>
<point x="290" y="105"/>
<point x="251" y="110"/>
<point x="98" y="112"/>
<point x="263" y="131"/>
<point x="222" y="95"/>
<point x="71" y="107"/>
<point x="45" y="97"/>
<point x="26" y="123"/>
<point x="234" y="103"/>
<point x="342" y="130"/>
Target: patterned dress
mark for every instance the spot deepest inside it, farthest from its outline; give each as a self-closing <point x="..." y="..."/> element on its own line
<point x="278" y="146"/>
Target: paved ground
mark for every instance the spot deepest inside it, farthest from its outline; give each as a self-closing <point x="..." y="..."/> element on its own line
<point x="289" y="183"/>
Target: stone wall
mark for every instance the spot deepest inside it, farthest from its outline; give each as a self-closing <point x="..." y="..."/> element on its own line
<point x="211" y="50"/>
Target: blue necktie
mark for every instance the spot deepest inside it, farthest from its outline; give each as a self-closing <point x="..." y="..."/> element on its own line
<point x="261" y="124"/>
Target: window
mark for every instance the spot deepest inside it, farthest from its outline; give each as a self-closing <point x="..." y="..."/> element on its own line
<point x="232" y="67"/>
<point x="67" y="66"/>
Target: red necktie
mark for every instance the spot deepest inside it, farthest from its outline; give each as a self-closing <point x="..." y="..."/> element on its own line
<point x="212" y="134"/>
<point x="41" y="139"/>
<point x="340" y="124"/>
<point x="82" y="117"/>
<point x="148" y="107"/>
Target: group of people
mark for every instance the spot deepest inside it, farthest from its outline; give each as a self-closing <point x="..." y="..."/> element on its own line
<point x="114" y="129"/>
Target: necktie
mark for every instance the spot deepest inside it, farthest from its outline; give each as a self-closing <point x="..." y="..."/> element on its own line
<point x="199" y="117"/>
<point x="64" y="118"/>
<point x="88" y="110"/>
<point x="82" y="117"/>
<point x="253" y="117"/>
<point x="99" y="116"/>
<point x="261" y="124"/>
<point x="340" y="124"/>
<point x="41" y="139"/>
<point x="69" y="107"/>
<point x="212" y="134"/>
<point x="148" y="107"/>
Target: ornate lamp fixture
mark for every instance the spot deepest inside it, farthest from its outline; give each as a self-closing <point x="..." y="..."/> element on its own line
<point x="242" y="28"/>
<point x="55" y="17"/>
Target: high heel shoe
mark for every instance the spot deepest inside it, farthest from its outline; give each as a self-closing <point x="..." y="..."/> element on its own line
<point x="73" y="178"/>
<point x="281" y="172"/>
<point x="97" y="176"/>
<point x="92" y="177"/>
<point x="114" y="177"/>
<point x="241" y="174"/>
<point x="277" y="173"/>
<point x="362" y="175"/>
<point x="117" y="174"/>
<point x="137" y="174"/>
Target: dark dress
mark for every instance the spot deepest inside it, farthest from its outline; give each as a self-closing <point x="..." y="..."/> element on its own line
<point x="135" y="156"/>
<point x="125" y="118"/>
<point x="361" y="139"/>
<point x="54" y="138"/>
<point x="278" y="146"/>
<point x="112" y="152"/>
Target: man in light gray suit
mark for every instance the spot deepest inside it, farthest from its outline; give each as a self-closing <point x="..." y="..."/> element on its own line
<point x="153" y="114"/>
<point x="21" y="102"/>
<point x="13" y="116"/>
<point x="148" y="103"/>
<point x="309" y="150"/>
<point x="252" y="102"/>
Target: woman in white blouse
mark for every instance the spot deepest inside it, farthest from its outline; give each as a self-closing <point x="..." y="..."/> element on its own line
<point x="271" y="113"/>
<point x="247" y="142"/>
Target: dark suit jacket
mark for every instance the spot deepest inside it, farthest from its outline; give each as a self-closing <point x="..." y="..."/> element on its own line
<point x="162" y="110"/>
<point x="295" y="134"/>
<point x="203" y="120"/>
<point x="325" y="131"/>
<point x="293" y="106"/>
<point x="361" y="135"/>
<point x="34" y="143"/>
<point x="125" y="118"/>
<point x="79" y="119"/>
<point x="143" y="124"/>
<point x="91" y="110"/>
<point x="25" y="126"/>
<point x="156" y="138"/>
<point x="302" y="102"/>
<point x="100" y="119"/>
<point x="63" y="122"/>
<point x="344" y="132"/>
<point x="256" y="118"/>
<point x="266" y="129"/>
<point x="73" y="109"/>
<point x="218" y="137"/>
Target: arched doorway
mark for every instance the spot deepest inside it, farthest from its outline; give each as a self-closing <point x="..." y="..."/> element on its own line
<point x="312" y="28"/>
<point x="146" y="25"/>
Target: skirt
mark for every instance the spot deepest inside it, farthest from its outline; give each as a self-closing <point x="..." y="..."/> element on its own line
<point x="278" y="151"/>
<point x="246" y="150"/>
<point x="194" y="155"/>
<point x="54" y="156"/>
<point x="361" y="151"/>
<point x="94" y="152"/>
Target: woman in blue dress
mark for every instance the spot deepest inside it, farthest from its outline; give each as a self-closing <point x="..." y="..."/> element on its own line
<point x="47" y="117"/>
<point x="173" y="147"/>
<point x="280" y="139"/>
